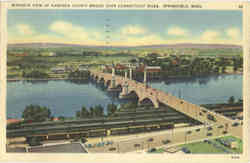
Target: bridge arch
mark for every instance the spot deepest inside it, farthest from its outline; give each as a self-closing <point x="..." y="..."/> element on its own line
<point x="119" y="86"/>
<point x="96" y="78"/>
<point x="108" y="83"/>
<point x="101" y="80"/>
<point x="134" y="95"/>
<point x="146" y="101"/>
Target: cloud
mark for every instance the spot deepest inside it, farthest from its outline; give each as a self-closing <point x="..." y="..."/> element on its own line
<point x="177" y="31"/>
<point x="210" y="35"/>
<point x="133" y="35"/>
<point x="150" y="39"/>
<point x="234" y="33"/>
<point x="24" y="29"/>
<point x="68" y="30"/>
<point x="133" y="30"/>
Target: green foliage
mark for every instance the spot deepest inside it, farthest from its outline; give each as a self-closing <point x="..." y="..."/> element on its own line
<point x="84" y="113"/>
<point x="34" y="141"/>
<point x="61" y="118"/>
<point x="129" y="106"/>
<point x="35" y="74"/>
<point x="97" y="111"/>
<point x="36" y="113"/>
<point x="174" y="62"/>
<point x="79" y="74"/>
<point x="231" y="100"/>
<point x="111" y="108"/>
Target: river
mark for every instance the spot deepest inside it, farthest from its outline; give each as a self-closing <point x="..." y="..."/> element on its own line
<point x="64" y="98"/>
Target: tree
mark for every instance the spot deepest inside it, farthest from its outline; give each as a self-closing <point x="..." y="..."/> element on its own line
<point x="35" y="74"/>
<point x="231" y="100"/>
<point x="83" y="140"/>
<point x="34" y="141"/>
<point x="129" y="106"/>
<point x="240" y="101"/>
<point x="36" y="113"/>
<point x="111" y="108"/>
<point x="84" y="112"/>
<point x="91" y="111"/>
<point x="223" y="69"/>
<point x="78" y="114"/>
<point x="61" y="118"/>
<point x="98" y="111"/>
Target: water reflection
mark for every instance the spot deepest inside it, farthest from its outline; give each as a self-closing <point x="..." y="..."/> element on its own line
<point x="65" y="97"/>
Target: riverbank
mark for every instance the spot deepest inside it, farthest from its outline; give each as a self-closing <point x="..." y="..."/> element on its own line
<point x="169" y="77"/>
<point x="66" y="97"/>
<point x="41" y="79"/>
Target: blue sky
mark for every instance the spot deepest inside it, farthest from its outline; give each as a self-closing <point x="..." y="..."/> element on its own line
<point x="128" y="27"/>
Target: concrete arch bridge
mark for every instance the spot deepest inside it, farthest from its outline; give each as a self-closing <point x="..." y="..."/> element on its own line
<point x="146" y="93"/>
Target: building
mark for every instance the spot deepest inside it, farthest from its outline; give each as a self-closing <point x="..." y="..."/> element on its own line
<point x="153" y="72"/>
<point x="9" y="121"/>
<point x="83" y="68"/>
<point x="48" y="54"/>
<point x="58" y="70"/>
<point x="149" y="69"/>
<point x="234" y="145"/>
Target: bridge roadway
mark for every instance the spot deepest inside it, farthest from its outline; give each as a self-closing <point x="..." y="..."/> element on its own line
<point x="157" y="96"/>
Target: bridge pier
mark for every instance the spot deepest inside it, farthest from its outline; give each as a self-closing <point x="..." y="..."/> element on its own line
<point x="126" y="75"/>
<point x="112" y="86"/>
<point x="124" y="94"/>
<point x="145" y="77"/>
<point x="130" y="74"/>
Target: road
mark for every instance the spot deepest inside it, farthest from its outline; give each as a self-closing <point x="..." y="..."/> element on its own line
<point x="154" y="139"/>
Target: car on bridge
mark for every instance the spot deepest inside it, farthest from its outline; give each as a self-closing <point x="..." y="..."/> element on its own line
<point x="209" y="128"/>
<point x="211" y="117"/>
<point x="209" y="134"/>
<point x="235" y="124"/>
<point x="166" y="141"/>
<point x="220" y="126"/>
<point x="112" y="149"/>
<point x="185" y="150"/>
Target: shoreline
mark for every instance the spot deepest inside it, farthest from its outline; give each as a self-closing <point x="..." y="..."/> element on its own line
<point x="41" y="79"/>
<point x="50" y="79"/>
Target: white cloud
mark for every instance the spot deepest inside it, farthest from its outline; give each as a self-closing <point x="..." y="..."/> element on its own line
<point x="133" y="30"/>
<point x="177" y="31"/>
<point x="150" y="39"/>
<point x="65" y="32"/>
<point x="234" y="33"/>
<point x="24" y="29"/>
<point x="210" y="35"/>
<point x="69" y="30"/>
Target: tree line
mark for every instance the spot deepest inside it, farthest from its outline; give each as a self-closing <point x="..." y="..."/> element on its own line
<point x="96" y="111"/>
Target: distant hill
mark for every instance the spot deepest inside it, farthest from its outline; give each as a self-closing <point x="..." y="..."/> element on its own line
<point x="184" y="45"/>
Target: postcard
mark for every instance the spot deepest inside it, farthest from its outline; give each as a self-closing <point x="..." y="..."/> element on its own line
<point x="144" y="81"/>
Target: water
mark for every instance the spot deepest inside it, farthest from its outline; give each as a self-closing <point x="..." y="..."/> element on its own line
<point x="64" y="98"/>
<point x="204" y="90"/>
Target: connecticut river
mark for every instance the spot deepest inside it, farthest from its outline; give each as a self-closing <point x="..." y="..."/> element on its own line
<point x="64" y="98"/>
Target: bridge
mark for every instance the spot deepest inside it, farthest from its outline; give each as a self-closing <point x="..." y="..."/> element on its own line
<point x="145" y="93"/>
<point x="130" y="88"/>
